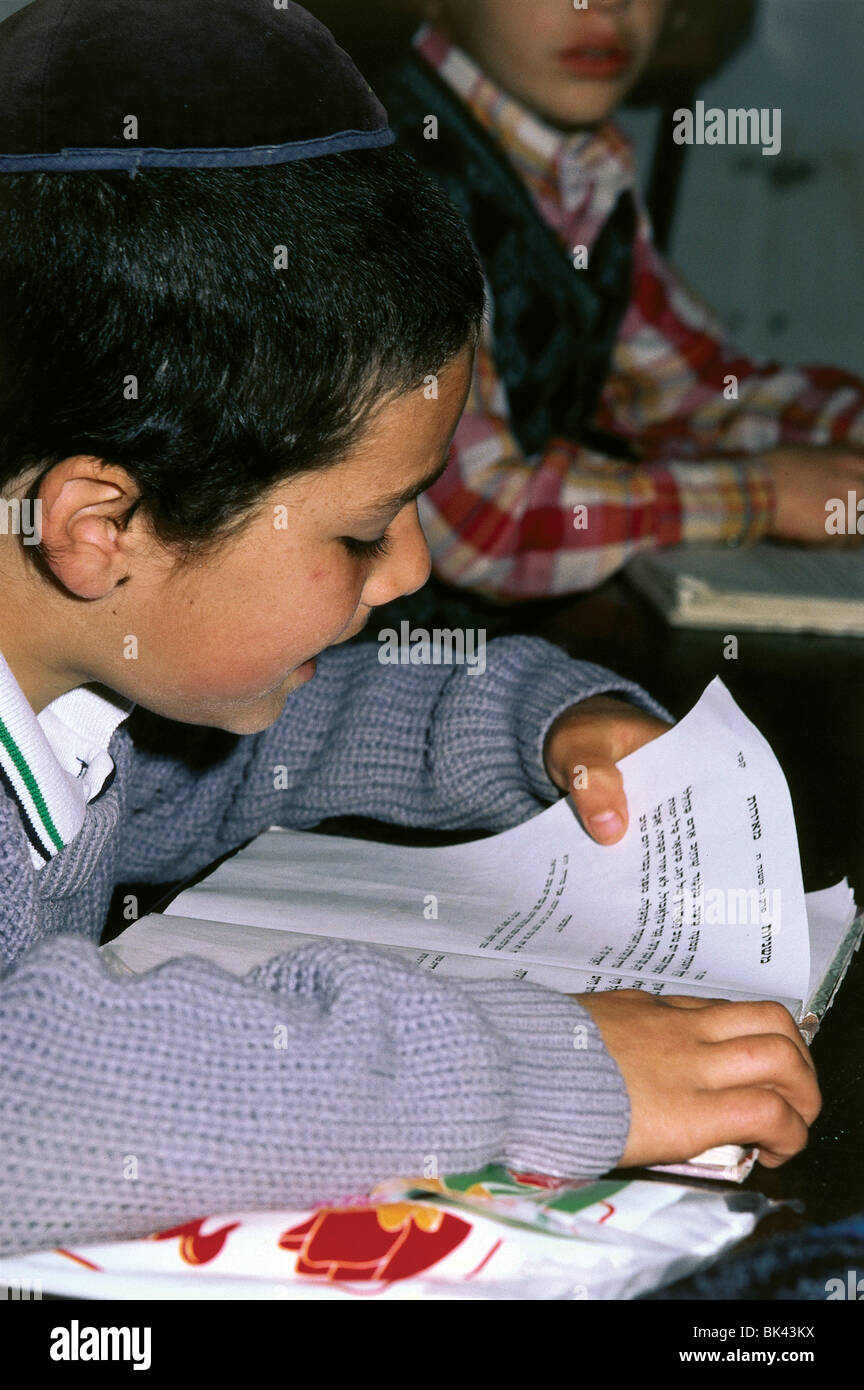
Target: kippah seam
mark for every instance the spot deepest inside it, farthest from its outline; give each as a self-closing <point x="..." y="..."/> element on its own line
<point x="69" y="160"/>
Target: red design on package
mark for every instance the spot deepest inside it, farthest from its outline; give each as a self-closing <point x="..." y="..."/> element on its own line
<point x="395" y="1241"/>
<point x="543" y="1180"/>
<point x="196" y="1249"/>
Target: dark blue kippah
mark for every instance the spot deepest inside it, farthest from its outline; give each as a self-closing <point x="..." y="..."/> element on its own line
<point x="109" y="84"/>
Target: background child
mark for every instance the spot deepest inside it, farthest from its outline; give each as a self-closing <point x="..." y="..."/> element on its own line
<point x="602" y="377"/>
<point x="212" y="383"/>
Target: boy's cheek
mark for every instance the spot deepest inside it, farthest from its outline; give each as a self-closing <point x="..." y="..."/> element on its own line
<point x="237" y="666"/>
<point x="213" y="653"/>
<point x="206" y="663"/>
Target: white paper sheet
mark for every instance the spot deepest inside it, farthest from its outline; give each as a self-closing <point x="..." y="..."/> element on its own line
<point x="704" y="891"/>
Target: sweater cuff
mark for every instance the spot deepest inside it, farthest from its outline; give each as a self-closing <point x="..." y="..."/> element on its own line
<point x="555" y="685"/>
<point x="570" y="1110"/>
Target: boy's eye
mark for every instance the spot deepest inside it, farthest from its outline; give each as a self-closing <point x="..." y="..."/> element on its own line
<point x="366" y="550"/>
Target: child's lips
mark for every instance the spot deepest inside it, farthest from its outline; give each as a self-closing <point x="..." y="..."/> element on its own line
<point x="600" y="61"/>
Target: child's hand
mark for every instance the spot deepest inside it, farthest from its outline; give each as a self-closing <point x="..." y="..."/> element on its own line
<point x="805" y="479"/>
<point x="702" y="1072"/>
<point x="582" y="748"/>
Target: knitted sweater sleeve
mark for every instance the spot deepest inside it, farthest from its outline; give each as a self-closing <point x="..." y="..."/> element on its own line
<point x="432" y="746"/>
<point x="131" y="1105"/>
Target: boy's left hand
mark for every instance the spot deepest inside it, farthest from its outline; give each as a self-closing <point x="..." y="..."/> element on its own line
<point x="581" y="751"/>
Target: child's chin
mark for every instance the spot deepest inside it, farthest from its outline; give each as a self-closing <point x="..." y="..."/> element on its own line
<point x="262" y="715"/>
<point x="251" y="721"/>
<point x="249" y="715"/>
<point x="581" y="105"/>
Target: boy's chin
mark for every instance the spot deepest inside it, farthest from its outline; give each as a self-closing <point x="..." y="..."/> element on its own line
<point x="250" y="717"/>
<point x="573" y="118"/>
<point x="260" y="716"/>
<point x="574" y="106"/>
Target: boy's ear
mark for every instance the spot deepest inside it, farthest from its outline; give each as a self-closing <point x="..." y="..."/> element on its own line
<point x="84" y="504"/>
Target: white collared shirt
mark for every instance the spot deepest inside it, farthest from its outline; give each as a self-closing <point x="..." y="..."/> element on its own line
<point x="56" y="762"/>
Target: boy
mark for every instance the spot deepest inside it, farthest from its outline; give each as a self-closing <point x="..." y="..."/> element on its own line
<point x="602" y="377"/>
<point x="213" y="397"/>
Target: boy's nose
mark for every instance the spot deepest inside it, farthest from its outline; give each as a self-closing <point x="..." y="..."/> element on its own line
<point x="407" y="566"/>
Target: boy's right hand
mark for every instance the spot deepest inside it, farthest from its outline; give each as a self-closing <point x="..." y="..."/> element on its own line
<point x="703" y="1072"/>
<point x="804" y="480"/>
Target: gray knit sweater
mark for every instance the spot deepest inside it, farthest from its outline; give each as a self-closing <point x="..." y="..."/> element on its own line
<point x="127" y="1105"/>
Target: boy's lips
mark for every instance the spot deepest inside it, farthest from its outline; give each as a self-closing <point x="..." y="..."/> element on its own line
<point x="599" y="61"/>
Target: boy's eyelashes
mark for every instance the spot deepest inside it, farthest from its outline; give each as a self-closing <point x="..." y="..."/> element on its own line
<point x="367" y="550"/>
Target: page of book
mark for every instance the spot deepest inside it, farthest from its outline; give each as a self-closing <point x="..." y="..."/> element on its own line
<point x="158" y="937"/>
<point x="705" y="888"/>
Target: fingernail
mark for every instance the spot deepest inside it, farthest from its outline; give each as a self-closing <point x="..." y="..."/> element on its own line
<point x="605" y="825"/>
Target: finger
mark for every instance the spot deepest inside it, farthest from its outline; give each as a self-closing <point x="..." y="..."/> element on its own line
<point x="598" y="795"/>
<point x="771" y="1061"/>
<point x="761" y="1118"/>
<point x="604" y="729"/>
<point x="689" y="1001"/>
<point x="735" y="1020"/>
<point x="629" y="993"/>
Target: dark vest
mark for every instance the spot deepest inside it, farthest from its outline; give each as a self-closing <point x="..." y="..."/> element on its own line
<point x="554" y="326"/>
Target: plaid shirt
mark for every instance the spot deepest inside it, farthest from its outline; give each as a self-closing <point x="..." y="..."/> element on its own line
<point x="511" y="526"/>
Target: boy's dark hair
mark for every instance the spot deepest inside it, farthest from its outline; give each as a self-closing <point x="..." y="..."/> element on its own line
<point x="246" y="373"/>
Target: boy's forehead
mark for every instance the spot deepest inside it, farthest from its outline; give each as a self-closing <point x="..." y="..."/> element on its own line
<point x="403" y="452"/>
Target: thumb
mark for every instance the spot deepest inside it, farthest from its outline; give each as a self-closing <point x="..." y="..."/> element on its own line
<point x="598" y="795"/>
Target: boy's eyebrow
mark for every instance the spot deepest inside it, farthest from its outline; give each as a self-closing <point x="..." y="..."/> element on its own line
<point x="401" y="499"/>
